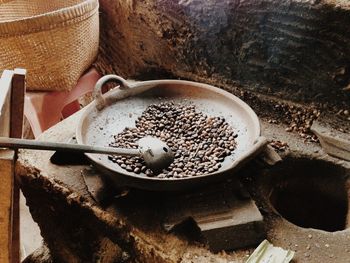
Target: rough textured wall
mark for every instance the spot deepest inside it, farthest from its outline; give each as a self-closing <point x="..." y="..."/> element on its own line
<point x="295" y="49"/>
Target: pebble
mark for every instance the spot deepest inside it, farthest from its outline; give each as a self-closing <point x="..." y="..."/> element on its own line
<point x="200" y="142"/>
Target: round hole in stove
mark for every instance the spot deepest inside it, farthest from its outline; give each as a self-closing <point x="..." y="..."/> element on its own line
<point x="311" y="193"/>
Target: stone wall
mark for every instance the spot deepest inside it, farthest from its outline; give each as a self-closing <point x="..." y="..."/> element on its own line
<point x="294" y="49"/>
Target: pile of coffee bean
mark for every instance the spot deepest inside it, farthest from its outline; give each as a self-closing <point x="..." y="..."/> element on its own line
<point x="200" y="143"/>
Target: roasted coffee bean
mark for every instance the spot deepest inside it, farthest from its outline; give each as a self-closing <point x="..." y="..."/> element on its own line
<point x="200" y="143"/>
<point x="149" y="172"/>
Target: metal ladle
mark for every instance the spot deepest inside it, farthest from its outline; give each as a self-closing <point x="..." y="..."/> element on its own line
<point x="156" y="153"/>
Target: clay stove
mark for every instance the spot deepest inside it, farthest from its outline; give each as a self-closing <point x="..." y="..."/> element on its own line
<point x="289" y="60"/>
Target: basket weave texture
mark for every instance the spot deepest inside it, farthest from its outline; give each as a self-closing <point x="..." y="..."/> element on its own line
<point x="55" y="40"/>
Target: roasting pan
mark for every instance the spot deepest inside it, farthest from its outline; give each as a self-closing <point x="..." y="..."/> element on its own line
<point x="111" y="112"/>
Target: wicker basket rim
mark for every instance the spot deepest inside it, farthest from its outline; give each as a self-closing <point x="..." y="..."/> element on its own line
<point x="49" y="20"/>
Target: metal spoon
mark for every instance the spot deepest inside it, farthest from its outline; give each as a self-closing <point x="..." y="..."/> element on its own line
<point x="156" y="153"/>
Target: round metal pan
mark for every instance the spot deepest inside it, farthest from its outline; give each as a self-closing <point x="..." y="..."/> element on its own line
<point x="110" y="113"/>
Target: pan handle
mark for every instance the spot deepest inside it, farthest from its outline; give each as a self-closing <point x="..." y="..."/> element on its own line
<point x="97" y="94"/>
<point x="258" y="146"/>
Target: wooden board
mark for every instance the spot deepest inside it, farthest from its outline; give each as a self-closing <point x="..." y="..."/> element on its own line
<point x="6" y="194"/>
<point x="5" y="99"/>
<point x="12" y="90"/>
<point x="17" y="103"/>
<point x="16" y="129"/>
<point x="6" y="170"/>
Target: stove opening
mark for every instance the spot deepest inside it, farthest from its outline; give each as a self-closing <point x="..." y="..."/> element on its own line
<point x="311" y="193"/>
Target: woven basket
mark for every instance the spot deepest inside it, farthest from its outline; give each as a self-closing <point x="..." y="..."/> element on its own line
<point x="55" y="40"/>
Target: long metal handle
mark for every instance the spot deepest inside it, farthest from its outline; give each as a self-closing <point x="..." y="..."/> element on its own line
<point x="67" y="147"/>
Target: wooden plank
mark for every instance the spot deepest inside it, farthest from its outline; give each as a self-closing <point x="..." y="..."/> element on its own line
<point x="6" y="193"/>
<point x="16" y="129"/>
<point x="12" y="91"/>
<point x="17" y="103"/>
<point x="6" y="170"/>
<point x="5" y="99"/>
